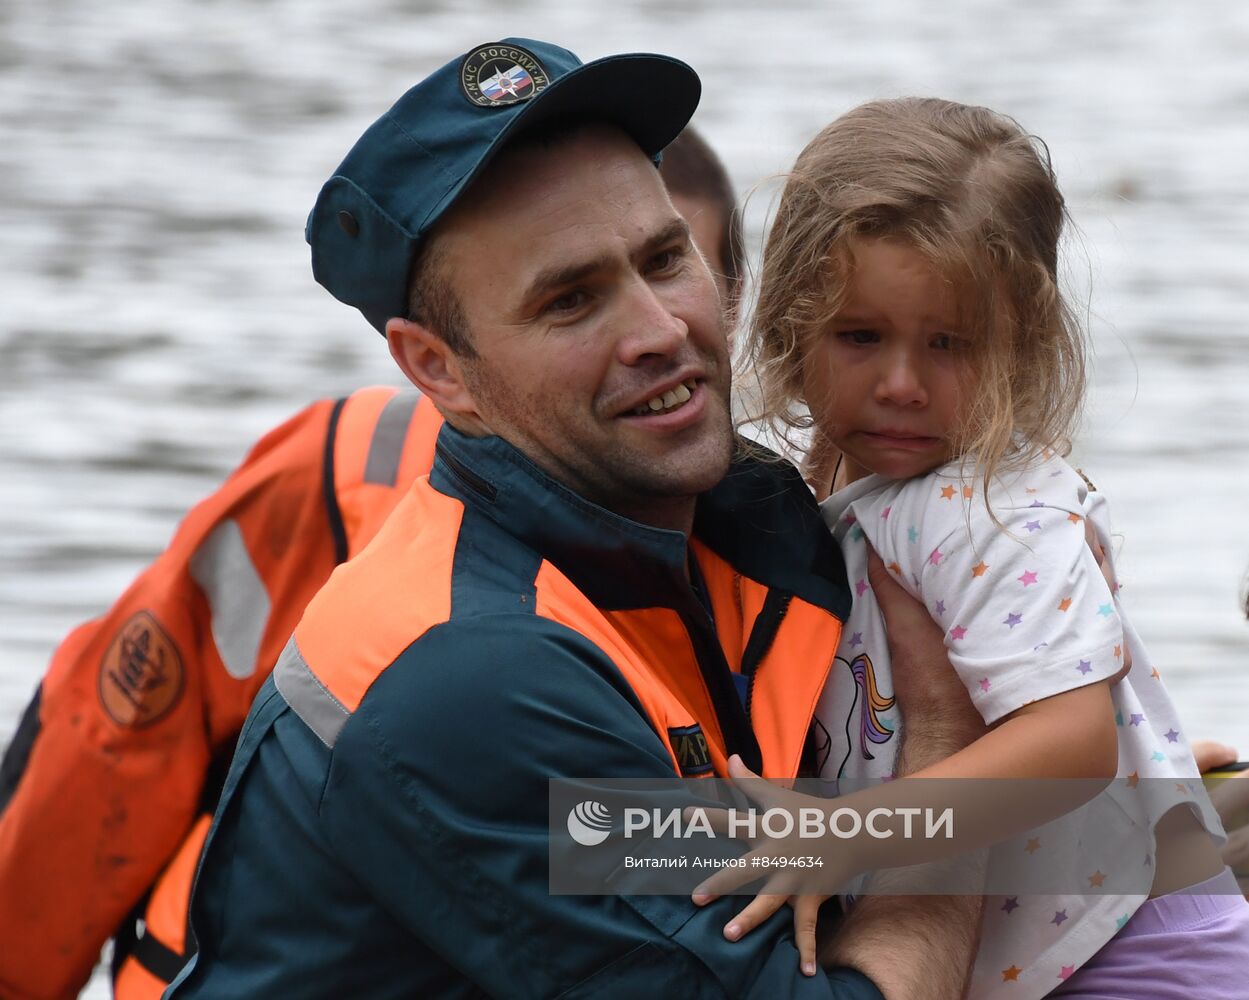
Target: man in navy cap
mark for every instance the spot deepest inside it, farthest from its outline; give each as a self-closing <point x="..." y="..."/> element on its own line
<point x="589" y="584"/>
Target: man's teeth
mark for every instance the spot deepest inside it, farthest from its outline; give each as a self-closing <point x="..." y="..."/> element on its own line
<point x="669" y="400"/>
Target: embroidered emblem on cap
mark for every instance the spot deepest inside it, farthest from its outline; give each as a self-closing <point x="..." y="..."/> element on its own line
<point x="494" y="76"/>
<point x="141" y="675"/>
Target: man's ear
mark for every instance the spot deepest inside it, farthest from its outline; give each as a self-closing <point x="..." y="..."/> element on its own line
<point x="430" y="365"/>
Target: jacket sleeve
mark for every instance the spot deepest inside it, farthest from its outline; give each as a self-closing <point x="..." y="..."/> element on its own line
<point x="106" y="775"/>
<point x="437" y="799"/>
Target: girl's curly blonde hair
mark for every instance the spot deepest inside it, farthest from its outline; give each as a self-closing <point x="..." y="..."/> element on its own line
<point x="976" y="195"/>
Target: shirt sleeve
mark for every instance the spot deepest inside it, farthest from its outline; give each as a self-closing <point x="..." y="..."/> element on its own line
<point x="438" y="792"/>
<point x="1026" y="611"/>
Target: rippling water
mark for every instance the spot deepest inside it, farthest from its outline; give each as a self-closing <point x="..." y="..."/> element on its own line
<point x="158" y="312"/>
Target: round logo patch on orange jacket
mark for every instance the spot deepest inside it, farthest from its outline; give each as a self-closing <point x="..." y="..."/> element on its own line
<point x="141" y="676"/>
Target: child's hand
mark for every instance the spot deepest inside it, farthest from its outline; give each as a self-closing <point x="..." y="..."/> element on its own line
<point x="806" y="916"/>
<point x="805" y="907"/>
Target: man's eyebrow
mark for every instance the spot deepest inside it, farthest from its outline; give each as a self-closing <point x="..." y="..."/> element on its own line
<point x="677" y="229"/>
<point x="560" y="276"/>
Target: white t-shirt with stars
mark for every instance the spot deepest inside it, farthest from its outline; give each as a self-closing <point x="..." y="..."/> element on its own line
<point x="1027" y="614"/>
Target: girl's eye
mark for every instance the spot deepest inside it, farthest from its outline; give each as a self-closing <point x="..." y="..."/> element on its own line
<point x="859" y="337"/>
<point x="948" y="342"/>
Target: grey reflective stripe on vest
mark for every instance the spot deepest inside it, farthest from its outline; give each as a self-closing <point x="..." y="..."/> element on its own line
<point x="236" y="594"/>
<point x="389" y="436"/>
<point x="311" y="700"/>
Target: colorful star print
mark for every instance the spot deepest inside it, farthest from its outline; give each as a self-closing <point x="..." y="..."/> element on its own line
<point x="1036" y="503"/>
<point x="912" y="535"/>
<point x="979" y="568"/>
<point x="1136" y="719"/>
<point x="1084" y="666"/>
<point x="1118" y="718"/>
<point x="1074" y="518"/>
<point x="885" y="513"/>
<point x="967" y="492"/>
<point x="856" y="640"/>
<point x="947" y="493"/>
<point x="860" y="587"/>
<point x="1104" y="610"/>
<point x="1172" y="736"/>
<point x="957" y="632"/>
<point x="1028" y="578"/>
<point x="1097" y="878"/>
<point x="934" y="557"/>
<point x="984" y="684"/>
<point x="1013" y="619"/>
<point x="1134" y="779"/>
<point x="1011" y="905"/>
<point x="1066" y="972"/>
<point x="1158" y="755"/>
<point x="1155" y="675"/>
<point x="1120" y="921"/>
<point x="1059" y="917"/>
<point x="856" y="533"/>
<point x="939" y="608"/>
<point x="1033" y="526"/>
<point x="895" y="569"/>
<point x="1064" y="604"/>
<point x="1012" y="974"/>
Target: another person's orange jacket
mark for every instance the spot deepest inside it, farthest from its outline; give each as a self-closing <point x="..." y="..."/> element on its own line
<point x="108" y="787"/>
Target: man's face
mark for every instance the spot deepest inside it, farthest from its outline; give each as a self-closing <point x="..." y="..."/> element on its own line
<point x="600" y="344"/>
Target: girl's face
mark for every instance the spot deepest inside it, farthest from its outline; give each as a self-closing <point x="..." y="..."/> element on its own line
<point x="886" y="380"/>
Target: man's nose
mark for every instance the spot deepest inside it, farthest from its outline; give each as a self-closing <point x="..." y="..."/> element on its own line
<point x="651" y="328"/>
<point x="901" y="382"/>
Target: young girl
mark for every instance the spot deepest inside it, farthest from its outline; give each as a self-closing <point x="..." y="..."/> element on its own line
<point x="909" y="314"/>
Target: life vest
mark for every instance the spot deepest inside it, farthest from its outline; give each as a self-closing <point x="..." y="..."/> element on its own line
<point x="107" y="788"/>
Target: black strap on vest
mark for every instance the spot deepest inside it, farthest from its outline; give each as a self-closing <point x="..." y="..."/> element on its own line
<point x="162" y="962"/>
<point x="17" y="756"/>
<point x="330" y="494"/>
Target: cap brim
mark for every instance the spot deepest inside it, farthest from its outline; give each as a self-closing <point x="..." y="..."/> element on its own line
<point x="651" y="97"/>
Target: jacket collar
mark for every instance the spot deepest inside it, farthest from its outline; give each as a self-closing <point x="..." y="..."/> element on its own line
<point x="761" y="518"/>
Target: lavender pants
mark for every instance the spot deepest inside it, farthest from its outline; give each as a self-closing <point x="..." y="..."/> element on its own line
<point x="1188" y="945"/>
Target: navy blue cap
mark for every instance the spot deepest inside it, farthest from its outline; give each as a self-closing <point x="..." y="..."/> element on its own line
<point x="412" y="164"/>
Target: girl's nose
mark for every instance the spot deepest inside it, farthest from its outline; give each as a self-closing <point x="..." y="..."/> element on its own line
<point x="901" y="384"/>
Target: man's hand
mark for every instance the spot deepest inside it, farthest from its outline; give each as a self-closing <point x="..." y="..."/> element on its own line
<point x="917" y="946"/>
<point x="937" y="712"/>
<point x="1230" y="798"/>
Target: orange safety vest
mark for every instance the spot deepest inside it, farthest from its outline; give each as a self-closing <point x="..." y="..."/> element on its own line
<point x="115" y="770"/>
<point x="776" y="608"/>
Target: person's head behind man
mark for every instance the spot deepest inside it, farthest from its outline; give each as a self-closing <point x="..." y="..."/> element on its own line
<point x="702" y="192"/>
<point x="532" y="276"/>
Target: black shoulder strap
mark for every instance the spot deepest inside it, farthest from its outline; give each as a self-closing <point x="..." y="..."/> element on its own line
<point x="337" y="529"/>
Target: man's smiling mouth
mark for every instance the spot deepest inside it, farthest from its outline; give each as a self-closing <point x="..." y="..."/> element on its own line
<point x="668" y="401"/>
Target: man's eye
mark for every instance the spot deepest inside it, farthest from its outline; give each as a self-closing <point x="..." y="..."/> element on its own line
<point x="665" y="260"/>
<point x="566" y="303"/>
<point x="858" y="337"/>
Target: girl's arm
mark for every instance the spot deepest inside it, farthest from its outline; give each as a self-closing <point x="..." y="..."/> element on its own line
<point x="1016" y="777"/>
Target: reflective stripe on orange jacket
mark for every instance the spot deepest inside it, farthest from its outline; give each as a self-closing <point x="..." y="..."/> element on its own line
<point x="101" y="790"/>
